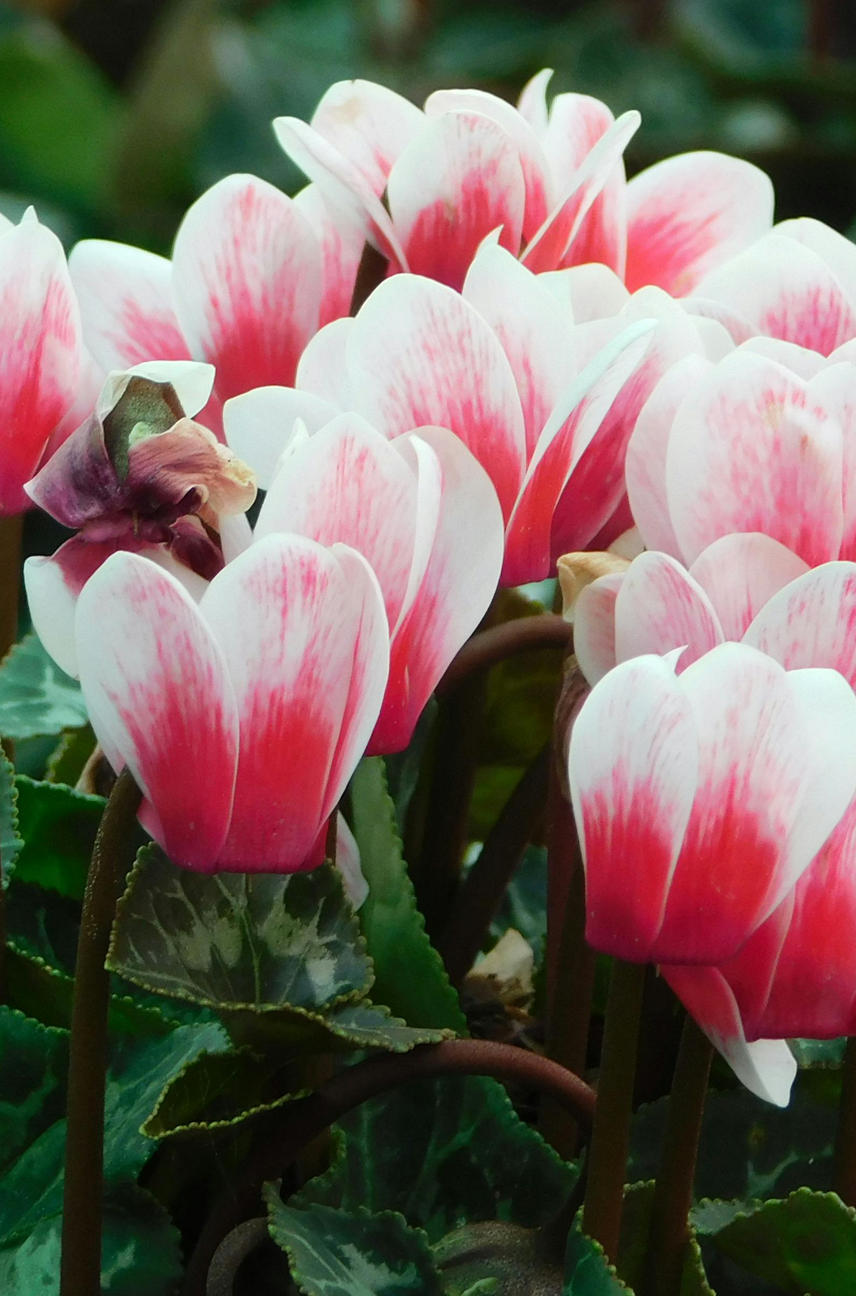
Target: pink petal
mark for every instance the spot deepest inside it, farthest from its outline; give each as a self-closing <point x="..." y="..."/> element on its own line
<point x="304" y="636"/>
<point x="740" y="573"/>
<point x="786" y="290"/>
<point x="341" y="249"/>
<point x="537" y="335"/>
<point x="752" y="450"/>
<point x="536" y="170"/>
<point x="594" y="626"/>
<point x="347" y="483"/>
<point x="775" y="776"/>
<point x="835" y="388"/>
<point x="261" y="424"/>
<point x="572" y="428"/>
<point x="767" y="1067"/>
<point x="532" y="104"/>
<point x="459" y="180"/>
<point x="598" y="483"/>
<point x="462" y="522"/>
<point x="40" y="352"/>
<point x="126" y="304"/>
<point x="370" y="125"/>
<point x="660" y="607"/>
<point x="811" y="621"/>
<point x="419" y="355"/>
<point x="837" y="251"/>
<point x="737" y="326"/>
<point x="323" y="367"/>
<point x="248" y="283"/>
<point x="577" y="123"/>
<point x="689" y="214"/>
<point x="633" y="768"/>
<point x="645" y="464"/>
<point x="158" y="694"/>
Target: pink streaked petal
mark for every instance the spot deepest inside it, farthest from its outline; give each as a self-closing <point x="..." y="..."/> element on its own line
<point x="347" y="190"/>
<point x="594" y="626"/>
<point x="738" y="328"/>
<point x="369" y="124"/>
<point x="811" y="621"/>
<point x="573" y="426"/>
<point x="158" y="693"/>
<point x="323" y="367"/>
<point x="90" y="380"/>
<point x="419" y="355"/>
<point x="463" y="522"/>
<point x="348" y="484"/>
<point x="598" y="484"/>
<point x="645" y="464"/>
<point x="53" y="585"/>
<point x="126" y="304"/>
<point x="689" y="214"/>
<point x="289" y="620"/>
<point x="40" y="350"/>
<point x="660" y="607"/>
<point x="261" y="424"/>
<point x="768" y="796"/>
<point x="751" y="449"/>
<point x="459" y="180"/>
<point x="590" y="292"/>
<point x="806" y="364"/>
<point x="837" y="251"/>
<point x="633" y="769"/>
<point x="248" y="283"/>
<point x="547" y="249"/>
<point x="576" y="124"/>
<point x="536" y="169"/>
<point x="341" y="249"/>
<point x="784" y="289"/>
<point x="740" y="573"/>
<point x="536" y="333"/>
<point x="767" y="1067"/>
<point x="835" y="387"/>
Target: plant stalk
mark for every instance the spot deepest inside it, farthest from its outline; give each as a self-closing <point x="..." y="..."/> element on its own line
<point x="489" y="647"/>
<point x="611" y="1132"/>
<point x="80" y="1272"/>
<point x="673" y="1192"/>
<point x="845" y="1135"/>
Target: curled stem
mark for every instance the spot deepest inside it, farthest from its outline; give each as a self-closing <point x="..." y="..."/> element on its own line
<point x="488" y="647"/>
<point x="611" y="1133"/>
<point x="80" y="1272"/>
<point x="281" y="1138"/>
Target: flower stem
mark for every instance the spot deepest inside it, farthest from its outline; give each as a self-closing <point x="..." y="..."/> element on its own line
<point x="845" y="1136"/>
<point x="667" y="1240"/>
<point x="84" y="1169"/>
<point x="611" y="1133"/>
<point x="488" y="647"/>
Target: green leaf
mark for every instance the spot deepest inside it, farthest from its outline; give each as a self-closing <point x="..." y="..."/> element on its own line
<point x="351" y="1253"/>
<point x="33" y="1066"/>
<point x="263" y="943"/>
<point x="68" y="760"/>
<point x="141" y="1254"/>
<point x="804" y="1243"/>
<point x="587" y="1270"/>
<point x="36" y="697"/>
<point x="443" y="1153"/>
<point x="58" y="826"/>
<point x="10" y="836"/>
<point x="409" y="973"/>
<point x="633" y="1245"/>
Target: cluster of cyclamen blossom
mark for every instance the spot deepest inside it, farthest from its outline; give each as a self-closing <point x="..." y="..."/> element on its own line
<point x="552" y="357"/>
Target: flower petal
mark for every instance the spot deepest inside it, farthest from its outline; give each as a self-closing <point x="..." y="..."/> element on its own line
<point x="304" y="633"/>
<point x="260" y="425"/>
<point x="752" y="450"/>
<point x="811" y="621"/>
<point x="158" y="694"/>
<point x="248" y="283"/>
<point x="690" y="213"/>
<point x="341" y="249"/>
<point x="458" y="180"/>
<point x="660" y="607"/>
<point x="419" y="355"/>
<point x="740" y="573"/>
<point x="594" y="626"/>
<point x="323" y="367"/>
<point x="369" y="124"/>
<point x="590" y="291"/>
<point x="834" y="249"/>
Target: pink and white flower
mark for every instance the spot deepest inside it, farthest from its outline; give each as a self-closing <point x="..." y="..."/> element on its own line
<point x="241" y="717"/>
<point x="551" y="179"/>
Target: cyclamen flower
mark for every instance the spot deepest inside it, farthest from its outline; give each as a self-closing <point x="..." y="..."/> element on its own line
<point x="424" y="514"/>
<point x="139" y="475"/>
<point x="253" y="275"/>
<point x="41" y="355"/>
<point x="702" y="798"/>
<point x="551" y="179"/>
<point x="243" y="717"/>
<point x="544" y="405"/>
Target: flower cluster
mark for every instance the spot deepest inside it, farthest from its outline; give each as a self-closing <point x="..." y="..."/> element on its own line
<point x="469" y="349"/>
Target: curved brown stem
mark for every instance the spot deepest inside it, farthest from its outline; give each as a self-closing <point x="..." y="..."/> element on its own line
<point x="488" y="647"/>
<point x="231" y="1254"/>
<point x="87" y="1069"/>
<point x="484" y="886"/>
<point x="281" y="1139"/>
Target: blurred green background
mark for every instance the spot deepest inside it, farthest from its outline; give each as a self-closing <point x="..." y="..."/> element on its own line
<point x="115" y="114"/>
